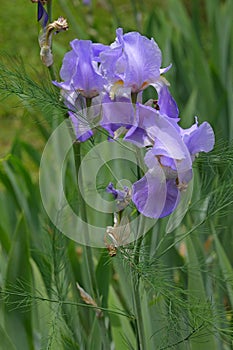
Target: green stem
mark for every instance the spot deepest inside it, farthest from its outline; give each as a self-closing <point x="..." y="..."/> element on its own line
<point x="141" y="343"/>
<point x="82" y="212"/>
<point x="87" y="250"/>
<point x="49" y="10"/>
<point x="52" y="73"/>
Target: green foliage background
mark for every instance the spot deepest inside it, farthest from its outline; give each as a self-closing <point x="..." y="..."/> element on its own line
<point x="184" y="278"/>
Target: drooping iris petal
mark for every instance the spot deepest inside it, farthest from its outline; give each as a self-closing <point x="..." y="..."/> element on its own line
<point x="133" y="59"/>
<point x="149" y="193"/>
<point x="83" y="119"/>
<point x="199" y="138"/>
<point x="116" y="114"/>
<point x="153" y="127"/>
<point x="172" y="198"/>
<point x="81" y="127"/>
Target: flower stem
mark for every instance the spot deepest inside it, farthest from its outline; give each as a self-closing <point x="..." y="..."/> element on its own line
<point x="83" y="214"/>
<point x="87" y="250"/>
<point x="49" y="10"/>
<point x="52" y="72"/>
<point x="140" y="334"/>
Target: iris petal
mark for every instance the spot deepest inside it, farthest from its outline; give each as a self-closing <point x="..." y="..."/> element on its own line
<point x="149" y="193"/>
<point x="132" y="58"/>
<point x="199" y="138"/>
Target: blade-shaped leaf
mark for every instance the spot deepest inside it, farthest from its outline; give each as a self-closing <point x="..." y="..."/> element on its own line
<point x="18" y="321"/>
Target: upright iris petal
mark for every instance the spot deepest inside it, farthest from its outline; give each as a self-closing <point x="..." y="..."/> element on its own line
<point x="80" y="70"/>
<point x="132" y="59"/>
<point x="167" y="104"/>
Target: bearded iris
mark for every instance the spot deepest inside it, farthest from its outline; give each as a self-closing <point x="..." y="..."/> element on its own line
<point x="106" y="77"/>
<point x="132" y="61"/>
<point x="80" y="70"/>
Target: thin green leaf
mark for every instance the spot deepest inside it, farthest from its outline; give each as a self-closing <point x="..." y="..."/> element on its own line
<point x="19" y="324"/>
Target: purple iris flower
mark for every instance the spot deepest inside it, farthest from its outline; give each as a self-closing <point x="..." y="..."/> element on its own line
<point x="86" y="2"/>
<point x="169" y="160"/>
<point x="166" y="103"/>
<point x="117" y="114"/>
<point x="156" y="194"/>
<point x="169" y="163"/>
<point x="80" y="69"/>
<point x="42" y="15"/>
<point x="83" y="118"/>
<point x="122" y="197"/>
<point x="198" y="138"/>
<point x="132" y="61"/>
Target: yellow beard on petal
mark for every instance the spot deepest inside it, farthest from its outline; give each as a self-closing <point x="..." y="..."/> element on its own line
<point x="116" y="86"/>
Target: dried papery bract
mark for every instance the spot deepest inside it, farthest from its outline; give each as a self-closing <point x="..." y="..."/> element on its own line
<point x="89" y="300"/>
<point x="45" y="39"/>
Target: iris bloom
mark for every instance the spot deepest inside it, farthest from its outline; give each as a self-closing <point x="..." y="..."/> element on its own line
<point x="122" y="197"/>
<point x="168" y="160"/>
<point x="132" y="61"/>
<point x="117" y="115"/>
<point x="80" y="70"/>
<point x="198" y="138"/>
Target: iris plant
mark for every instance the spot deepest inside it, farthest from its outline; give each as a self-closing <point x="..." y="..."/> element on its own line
<point x="114" y="78"/>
